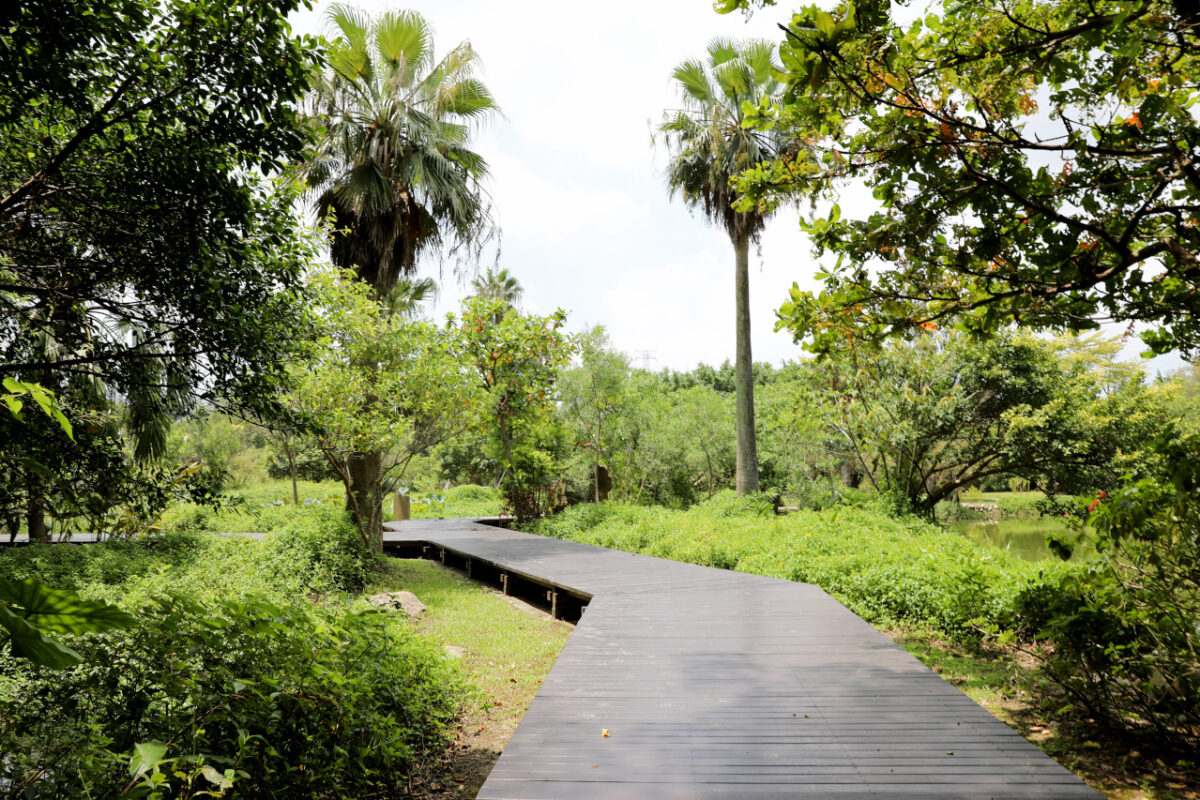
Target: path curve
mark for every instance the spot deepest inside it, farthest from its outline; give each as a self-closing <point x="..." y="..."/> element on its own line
<point x="718" y="684"/>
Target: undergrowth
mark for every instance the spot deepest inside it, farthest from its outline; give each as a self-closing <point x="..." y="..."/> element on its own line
<point x="250" y="671"/>
<point x="889" y="571"/>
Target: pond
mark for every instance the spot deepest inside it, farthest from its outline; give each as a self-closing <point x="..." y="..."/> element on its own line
<point x="1023" y="538"/>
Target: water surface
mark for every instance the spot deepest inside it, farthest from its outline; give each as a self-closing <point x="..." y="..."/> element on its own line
<point x="1023" y="538"/>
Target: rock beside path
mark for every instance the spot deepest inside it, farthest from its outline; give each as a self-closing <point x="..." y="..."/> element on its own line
<point x="399" y="601"/>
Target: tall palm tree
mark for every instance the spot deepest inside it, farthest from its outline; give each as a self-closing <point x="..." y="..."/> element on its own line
<point x="708" y="147"/>
<point x="394" y="169"/>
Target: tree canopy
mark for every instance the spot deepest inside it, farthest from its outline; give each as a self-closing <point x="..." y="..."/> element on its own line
<point x="1033" y="163"/>
<point x="135" y="237"/>
<point x="922" y="420"/>
<point x="146" y="260"/>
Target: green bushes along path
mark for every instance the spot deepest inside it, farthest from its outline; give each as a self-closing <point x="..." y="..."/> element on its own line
<point x="887" y="570"/>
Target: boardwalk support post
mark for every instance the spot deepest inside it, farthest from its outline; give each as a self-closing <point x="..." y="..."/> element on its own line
<point x="552" y="597"/>
<point x="504" y="582"/>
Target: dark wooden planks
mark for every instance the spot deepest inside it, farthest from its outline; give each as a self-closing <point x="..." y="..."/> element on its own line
<point x="714" y="684"/>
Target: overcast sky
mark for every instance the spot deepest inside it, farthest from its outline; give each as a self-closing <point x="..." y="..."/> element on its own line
<point x="578" y="187"/>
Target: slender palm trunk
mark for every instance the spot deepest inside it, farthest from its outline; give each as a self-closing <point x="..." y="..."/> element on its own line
<point x="747" y="448"/>
<point x="287" y="448"/>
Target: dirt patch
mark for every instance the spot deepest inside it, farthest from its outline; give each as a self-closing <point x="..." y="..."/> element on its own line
<point x="461" y="772"/>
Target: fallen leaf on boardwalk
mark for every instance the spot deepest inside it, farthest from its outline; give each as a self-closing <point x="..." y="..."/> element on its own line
<point x="595" y="765"/>
<point x="604" y="732"/>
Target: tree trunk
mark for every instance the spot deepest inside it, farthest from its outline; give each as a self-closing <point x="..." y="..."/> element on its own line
<point x="747" y="448"/>
<point x="365" y="499"/>
<point x="287" y="448"/>
<point x="851" y="477"/>
<point x="35" y="518"/>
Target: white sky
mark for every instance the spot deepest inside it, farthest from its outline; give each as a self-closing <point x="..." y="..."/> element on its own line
<point x="578" y="188"/>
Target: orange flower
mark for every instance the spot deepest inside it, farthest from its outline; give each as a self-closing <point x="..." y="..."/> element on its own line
<point x="1135" y="120"/>
<point x="929" y="325"/>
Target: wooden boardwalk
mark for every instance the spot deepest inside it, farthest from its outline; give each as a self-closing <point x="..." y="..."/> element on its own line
<point x="716" y="684"/>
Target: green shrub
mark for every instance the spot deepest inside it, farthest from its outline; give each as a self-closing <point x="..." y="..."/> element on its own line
<point x="317" y="551"/>
<point x="1124" y="632"/>
<point x="727" y="503"/>
<point x="885" y="569"/>
<point x="287" y="700"/>
<point x="473" y="491"/>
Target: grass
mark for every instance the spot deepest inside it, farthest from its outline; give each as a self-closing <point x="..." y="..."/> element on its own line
<point x="508" y="653"/>
<point x="458" y="501"/>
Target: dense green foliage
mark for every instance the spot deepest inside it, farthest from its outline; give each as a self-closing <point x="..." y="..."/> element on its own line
<point x="917" y="421"/>
<point x="144" y="259"/>
<point x="888" y="570"/>
<point x="1124" y="632"/>
<point x="1032" y="163"/>
<point x="229" y="674"/>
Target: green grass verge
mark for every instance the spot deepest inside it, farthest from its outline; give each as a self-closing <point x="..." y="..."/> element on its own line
<point x="508" y="651"/>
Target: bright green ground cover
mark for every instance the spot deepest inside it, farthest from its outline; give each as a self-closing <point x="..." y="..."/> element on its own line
<point x="458" y="501"/>
<point x="889" y="571"/>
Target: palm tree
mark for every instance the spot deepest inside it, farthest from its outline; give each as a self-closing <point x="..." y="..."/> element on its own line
<point x="406" y="297"/>
<point x="500" y="285"/>
<point x="394" y="171"/>
<point x="708" y="147"/>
